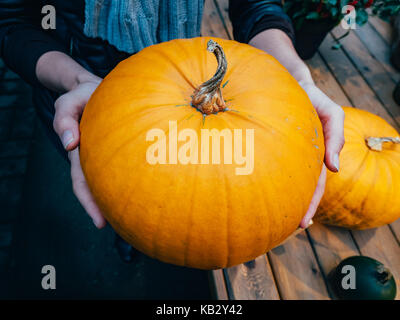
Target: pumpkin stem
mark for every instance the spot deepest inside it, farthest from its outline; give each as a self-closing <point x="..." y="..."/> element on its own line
<point x="383" y="274"/>
<point x="377" y="143"/>
<point x="207" y="98"/>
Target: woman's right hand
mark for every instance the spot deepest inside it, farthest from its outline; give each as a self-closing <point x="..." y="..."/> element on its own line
<point x="68" y="111"/>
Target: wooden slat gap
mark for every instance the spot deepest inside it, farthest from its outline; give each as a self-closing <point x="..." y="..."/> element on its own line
<point x="336" y="79"/>
<point x="324" y="275"/>
<point x="274" y="272"/>
<point x="229" y="289"/>
<point x="266" y="256"/>
<point x="394" y="234"/>
<point x="378" y="33"/>
<point x="355" y="242"/>
<point x="372" y="54"/>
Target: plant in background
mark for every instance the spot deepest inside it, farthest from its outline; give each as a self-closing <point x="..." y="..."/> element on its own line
<point x="302" y="10"/>
<point x="386" y="9"/>
<point x="314" y="19"/>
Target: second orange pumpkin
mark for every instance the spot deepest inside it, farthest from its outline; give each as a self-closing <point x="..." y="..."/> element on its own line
<point x="366" y="192"/>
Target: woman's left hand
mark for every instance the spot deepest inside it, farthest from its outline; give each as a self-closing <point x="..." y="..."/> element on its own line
<point x="332" y="119"/>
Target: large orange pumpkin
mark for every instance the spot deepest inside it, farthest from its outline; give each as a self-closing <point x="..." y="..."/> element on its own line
<point x="366" y="191"/>
<point x="183" y="210"/>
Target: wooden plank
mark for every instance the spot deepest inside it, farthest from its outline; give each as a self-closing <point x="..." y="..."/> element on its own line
<point x="251" y="281"/>
<point x="223" y="9"/>
<point x="395" y="227"/>
<point x="382" y="27"/>
<point x="325" y="80"/>
<point x="212" y="25"/>
<point x="381" y="245"/>
<point x="355" y="87"/>
<point x="378" y="48"/>
<point x="332" y="245"/>
<point x="218" y="285"/>
<point x="372" y="72"/>
<point x="296" y="270"/>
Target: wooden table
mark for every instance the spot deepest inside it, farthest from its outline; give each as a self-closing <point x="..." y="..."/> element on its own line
<point x="359" y="75"/>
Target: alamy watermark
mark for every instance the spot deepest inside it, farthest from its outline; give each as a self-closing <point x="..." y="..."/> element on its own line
<point x="349" y="280"/>
<point x="49" y="20"/>
<point x="196" y="149"/>
<point x="49" y="280"/>
<point x="349" y="19"/>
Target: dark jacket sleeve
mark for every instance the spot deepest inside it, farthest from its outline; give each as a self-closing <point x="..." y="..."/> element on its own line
<point x="250" y="17"/>
<point x="22" y="40"/>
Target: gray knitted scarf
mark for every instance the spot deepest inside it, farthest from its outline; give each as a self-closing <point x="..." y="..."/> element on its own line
<point x="131" y="25"/>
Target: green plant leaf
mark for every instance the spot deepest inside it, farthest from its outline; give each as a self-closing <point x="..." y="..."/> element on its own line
<point x="299" y="23"/>
<point x="313" y="16"/>
<point x="362" y="17"/>
<point x="287" y="5"/>
<point x="343" y="3"/>
<point x="337" y="46"/>
<point x="299" y="13"/>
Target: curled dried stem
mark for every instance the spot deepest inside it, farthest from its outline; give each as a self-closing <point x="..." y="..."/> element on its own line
<point x="207" y="98"/>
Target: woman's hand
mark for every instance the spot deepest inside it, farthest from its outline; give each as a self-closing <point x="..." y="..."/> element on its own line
<point x="69" y="108"/>
<point x="332" y="119"/>
<point x="59" y="72"/>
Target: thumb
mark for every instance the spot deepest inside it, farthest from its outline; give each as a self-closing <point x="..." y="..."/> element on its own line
<point x="319" y="192"/>
<point x="334" y="139"/>
<point x="66" y="122"/>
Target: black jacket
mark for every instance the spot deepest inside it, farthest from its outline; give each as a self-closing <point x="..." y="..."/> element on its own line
<point x="23" y="41"/>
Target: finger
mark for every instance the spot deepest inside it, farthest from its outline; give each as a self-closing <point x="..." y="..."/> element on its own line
<point x="66" y="121"/>
<point x="319" y="192"/>
<point x="332" y="118"/>
<point x="82" y="192"/>
<point x="334" y="138"/>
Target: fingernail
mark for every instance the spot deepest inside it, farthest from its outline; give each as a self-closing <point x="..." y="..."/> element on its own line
<point x="67" y="138"/>
<point x="336" y="161"/>
<point x="95" y="223"/>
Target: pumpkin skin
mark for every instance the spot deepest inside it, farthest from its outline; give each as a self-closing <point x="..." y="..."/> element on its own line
<point x="366" y="191"/>
<point x="201" y="215"/>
